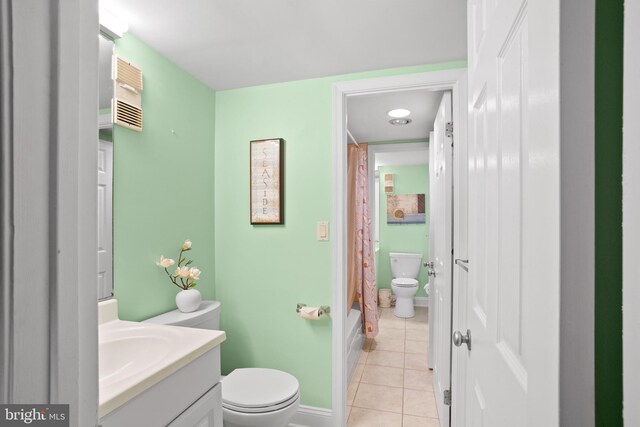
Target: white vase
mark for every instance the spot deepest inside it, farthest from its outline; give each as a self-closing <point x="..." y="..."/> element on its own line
<point x="188" y="300"/>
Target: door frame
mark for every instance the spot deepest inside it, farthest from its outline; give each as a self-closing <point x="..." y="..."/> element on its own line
<point x="631" y="212"/>
<point x="454" y="80"/>
<point x="49" y="205"/>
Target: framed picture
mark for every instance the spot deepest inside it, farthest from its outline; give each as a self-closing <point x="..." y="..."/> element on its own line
<point x="266" y="181"/>
<point x="406" y="209"/>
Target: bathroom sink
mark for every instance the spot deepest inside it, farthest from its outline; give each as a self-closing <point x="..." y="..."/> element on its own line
<point x="135" y="356"/>
<point x="129" y="356"/>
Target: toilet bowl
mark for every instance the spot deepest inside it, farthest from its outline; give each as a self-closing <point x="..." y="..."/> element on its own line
<point x="404" y="290"/>
<point x="251" y="397"/>
<point x="256" y="397"/>
<point x="404" y="268"/>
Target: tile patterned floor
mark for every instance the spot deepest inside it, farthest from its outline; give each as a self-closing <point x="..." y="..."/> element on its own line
<point x="391" y="385"/>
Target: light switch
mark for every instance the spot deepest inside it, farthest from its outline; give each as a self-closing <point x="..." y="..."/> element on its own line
<point x="322" y="230"/>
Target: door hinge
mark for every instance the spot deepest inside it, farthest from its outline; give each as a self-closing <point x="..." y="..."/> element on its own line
<point x="447" y="397"/>
<point x="449" y="130"/>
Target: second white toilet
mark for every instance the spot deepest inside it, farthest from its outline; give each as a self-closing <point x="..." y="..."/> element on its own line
<point x="251" y="397"/>
<point x="404" y="268"/>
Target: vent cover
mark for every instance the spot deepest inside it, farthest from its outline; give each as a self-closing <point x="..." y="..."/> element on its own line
<point x="127" y="99"/>
<point x="388" y="183"/>
<point x="127" y="115"/>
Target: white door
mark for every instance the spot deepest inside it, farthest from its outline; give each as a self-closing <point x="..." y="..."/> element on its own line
<point x="512" y="303"/>
<point x="431" y="250"/>
<point x="105" y="227"/>
<point x="440" y="176"/>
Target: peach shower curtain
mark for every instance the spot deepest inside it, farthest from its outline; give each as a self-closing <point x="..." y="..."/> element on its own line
<point x="361" y="278"/>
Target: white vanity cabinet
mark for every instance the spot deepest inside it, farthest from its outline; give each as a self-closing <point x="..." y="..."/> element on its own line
<point x="206" y="412"/>
<point x="190" y="397"/>
<point x="154" y="375"/>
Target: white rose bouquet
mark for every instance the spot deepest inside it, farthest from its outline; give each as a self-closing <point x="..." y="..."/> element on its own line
<point x="184" y="276"/>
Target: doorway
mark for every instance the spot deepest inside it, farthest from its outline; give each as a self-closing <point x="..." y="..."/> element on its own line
<point x="453" y="80"/>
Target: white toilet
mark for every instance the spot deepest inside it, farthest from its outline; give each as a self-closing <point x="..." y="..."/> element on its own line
<point x="404" y="268"/>
<point x="251" y="397"/>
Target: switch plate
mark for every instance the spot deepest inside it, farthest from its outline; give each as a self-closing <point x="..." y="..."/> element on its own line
<point x="322" y="230"/>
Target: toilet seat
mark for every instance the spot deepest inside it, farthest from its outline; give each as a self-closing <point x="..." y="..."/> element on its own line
<point x="404" y="282"/>
<point x="263" y="409"/>
<point x="259" y="390"/>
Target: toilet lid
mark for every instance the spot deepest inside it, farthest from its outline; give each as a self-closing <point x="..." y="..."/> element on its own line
<point x="258" y="388"/>
<point x="405" y="283"/>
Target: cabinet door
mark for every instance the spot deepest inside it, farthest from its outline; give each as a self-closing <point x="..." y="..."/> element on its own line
<point x="205" y="412"/>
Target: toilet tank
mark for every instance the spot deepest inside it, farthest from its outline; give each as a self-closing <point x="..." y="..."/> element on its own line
<point x="406" y="265"/>
<point x="207" y="316"/>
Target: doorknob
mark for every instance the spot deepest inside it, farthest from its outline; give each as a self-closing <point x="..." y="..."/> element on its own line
<point x="430" y="271"/>
<point x="459" y="339"/>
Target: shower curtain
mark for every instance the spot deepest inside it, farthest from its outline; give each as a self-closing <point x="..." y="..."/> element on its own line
<point x="361" y="276"/>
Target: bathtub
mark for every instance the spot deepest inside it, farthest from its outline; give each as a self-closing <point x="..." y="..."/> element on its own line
<point x="355" y="339"/>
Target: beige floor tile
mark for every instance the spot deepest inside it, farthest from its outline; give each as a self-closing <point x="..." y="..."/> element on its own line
<point x="418" y="380"/>
<point x="351" y="392"/>
<point x="369" y="418"/>
<point x="415" y="361"/>
<point x="413" y="421"/>
<point x="386" y="312"/>
<point x="379" y="397"/>
<point x="392" y="376"/>
<point x="390" y="333"/>
<point x="383" y="375"/>
<point x="388" y="344"/>
<point x="386" y="358"/>
<point x="357" y="372"/>
<point x="418" y="402"/>
<point x="367" y="344"/>
<point x="416" y="347"/>
<point x="417" y="335"/>
<point x="363" y="357"/>
<point x="421" y="311"/>
<point x="418" y="326"/>
<point x="391" y="322"/>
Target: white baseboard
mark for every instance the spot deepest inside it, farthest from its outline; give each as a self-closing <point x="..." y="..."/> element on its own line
<point x="421" y="301"/>
<point x="308" y="416"/>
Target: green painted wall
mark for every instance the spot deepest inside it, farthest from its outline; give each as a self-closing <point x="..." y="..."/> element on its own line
<point x="263" y="271"/>
<point x="163" y="184"/>
<point x="608" y="212"/>
<point x="408" y="179"/>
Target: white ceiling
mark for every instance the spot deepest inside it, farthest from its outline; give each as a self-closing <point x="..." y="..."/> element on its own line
<point x="367" y="118"/>
<point x="239" y="43"/>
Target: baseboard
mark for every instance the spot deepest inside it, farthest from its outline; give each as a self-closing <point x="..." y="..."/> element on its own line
<point x="308" y="416"/>
<point x="421" y="301"/>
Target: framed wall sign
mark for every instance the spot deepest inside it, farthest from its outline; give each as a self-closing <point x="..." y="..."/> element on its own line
<point x="266" y="181"/>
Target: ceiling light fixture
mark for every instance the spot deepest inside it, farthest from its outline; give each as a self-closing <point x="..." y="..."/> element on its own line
<point x="400" y="122"/>
<point x="398" y="112"/>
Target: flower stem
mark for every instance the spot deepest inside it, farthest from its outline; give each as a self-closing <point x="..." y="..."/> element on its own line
<point x="172" y="278"/>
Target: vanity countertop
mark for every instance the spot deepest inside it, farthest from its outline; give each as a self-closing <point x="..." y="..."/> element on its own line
<point x="134" y="356"/>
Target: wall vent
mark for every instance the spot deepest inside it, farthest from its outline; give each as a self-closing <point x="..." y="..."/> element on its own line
<point x="127" y="99"/>
<point x="388" y="183"/>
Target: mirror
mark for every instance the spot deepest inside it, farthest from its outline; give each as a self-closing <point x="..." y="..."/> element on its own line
<point x="105" y="170"/>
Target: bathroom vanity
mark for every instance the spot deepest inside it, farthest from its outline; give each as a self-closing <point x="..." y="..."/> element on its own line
<point x="156" y="375"/>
